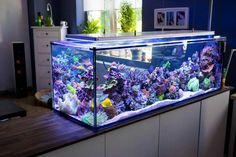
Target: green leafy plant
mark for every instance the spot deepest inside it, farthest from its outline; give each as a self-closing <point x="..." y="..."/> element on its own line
<point x="127" y="18"/>
<point x="91" y="27"/>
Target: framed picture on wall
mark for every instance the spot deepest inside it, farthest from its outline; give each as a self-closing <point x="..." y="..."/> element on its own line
<point x="171" y="18"/>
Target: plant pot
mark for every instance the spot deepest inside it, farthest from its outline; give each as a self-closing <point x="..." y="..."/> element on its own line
<point x="48" y="21"/>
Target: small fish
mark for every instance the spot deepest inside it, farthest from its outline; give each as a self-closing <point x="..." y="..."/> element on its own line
<point x="145" y="92"/>
<point x="71" y="89"/>
<point x="58" y="70"/>
<point x="136" y="88"/>
<point x="151" y="69"/>
<point x="79" y="67"/>
<point x="167" y="65"/>
<point x="90" y="67"/>
<point x="99" y="88"/>
<point x="58" y="82"/>
<point x="75" y="59"/>
<point x="106" y="103"/>
<point x="91" y="103"/>
<point x="87" y="62"/>
<point x="75" y="85"/>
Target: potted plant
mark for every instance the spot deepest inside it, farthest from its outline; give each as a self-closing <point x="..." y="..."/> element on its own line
<point x="127" y="17"/>
<point x="128" y="24"/>
<point x="91" y="26"/>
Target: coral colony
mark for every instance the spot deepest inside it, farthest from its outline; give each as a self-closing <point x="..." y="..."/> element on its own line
<point x="127" y="89"/>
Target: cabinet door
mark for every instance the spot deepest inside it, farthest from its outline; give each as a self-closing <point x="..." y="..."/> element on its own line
<point x="136" y="140"/>
<point x="93" y="147"/>
<point x="179" y="132"/>
<point x="213" y="125"/>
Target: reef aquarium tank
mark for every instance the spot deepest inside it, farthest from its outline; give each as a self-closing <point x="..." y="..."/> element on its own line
<point x="105" y="80"/>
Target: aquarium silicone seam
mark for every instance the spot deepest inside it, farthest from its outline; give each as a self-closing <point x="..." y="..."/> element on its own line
<point x="95" y="87"/>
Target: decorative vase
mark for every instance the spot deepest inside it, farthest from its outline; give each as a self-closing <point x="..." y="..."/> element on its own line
<point x="48" y="21"/>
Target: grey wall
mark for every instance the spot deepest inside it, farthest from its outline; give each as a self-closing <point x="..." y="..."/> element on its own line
<point x="13" y="27"/>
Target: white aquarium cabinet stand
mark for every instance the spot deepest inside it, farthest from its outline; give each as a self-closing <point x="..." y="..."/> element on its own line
<point x="194" y="130"/>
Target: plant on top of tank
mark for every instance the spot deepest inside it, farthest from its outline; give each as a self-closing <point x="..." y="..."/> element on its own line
<point x="127" y="17"/>
<point x="91" y="26"/>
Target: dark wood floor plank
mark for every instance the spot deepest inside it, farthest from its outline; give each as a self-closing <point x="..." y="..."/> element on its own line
<point x="38" y="134"/>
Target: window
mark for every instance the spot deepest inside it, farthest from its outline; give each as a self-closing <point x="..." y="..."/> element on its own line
<point x="108" y="12"/>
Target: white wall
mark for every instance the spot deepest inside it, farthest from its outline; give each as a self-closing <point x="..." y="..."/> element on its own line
<point x="13" y="27"/>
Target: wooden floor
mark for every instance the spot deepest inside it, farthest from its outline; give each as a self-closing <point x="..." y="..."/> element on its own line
<point x="29" y="103"/>
<point x="40" y="131"/>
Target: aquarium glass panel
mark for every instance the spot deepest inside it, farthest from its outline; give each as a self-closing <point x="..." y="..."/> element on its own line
<point x="73" y="82"/>
<point x="135" y="84"/>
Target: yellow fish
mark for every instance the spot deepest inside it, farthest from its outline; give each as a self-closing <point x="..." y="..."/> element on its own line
<point x="92" y="104"/>
<point x="106" y="103"/>
<point x="79" y="67"/>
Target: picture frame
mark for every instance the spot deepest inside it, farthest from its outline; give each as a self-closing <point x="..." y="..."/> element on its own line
<point x="171" y="18"/>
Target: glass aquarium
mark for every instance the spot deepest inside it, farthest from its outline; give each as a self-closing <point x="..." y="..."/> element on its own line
<point x="108" y="79"/>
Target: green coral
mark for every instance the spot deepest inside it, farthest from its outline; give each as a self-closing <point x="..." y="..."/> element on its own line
<point x="193" y="84"/>
<point x="206" y="82"/>
<point x="109" y="84"/>
<point x="71" y="89"/>
<point x="88" y="118"/>
<point x="75" y="59"/>
<point x="161" y="97"/>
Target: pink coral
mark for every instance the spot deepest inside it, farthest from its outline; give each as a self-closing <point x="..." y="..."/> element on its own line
<point x="212" y="78"/>
<point x="172" y="89"/>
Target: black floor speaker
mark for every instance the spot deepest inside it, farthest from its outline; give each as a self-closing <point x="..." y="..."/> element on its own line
<point x="19" y="69"/>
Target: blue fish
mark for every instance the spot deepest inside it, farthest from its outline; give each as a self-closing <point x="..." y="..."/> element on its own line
<point x="151" y="69"/>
